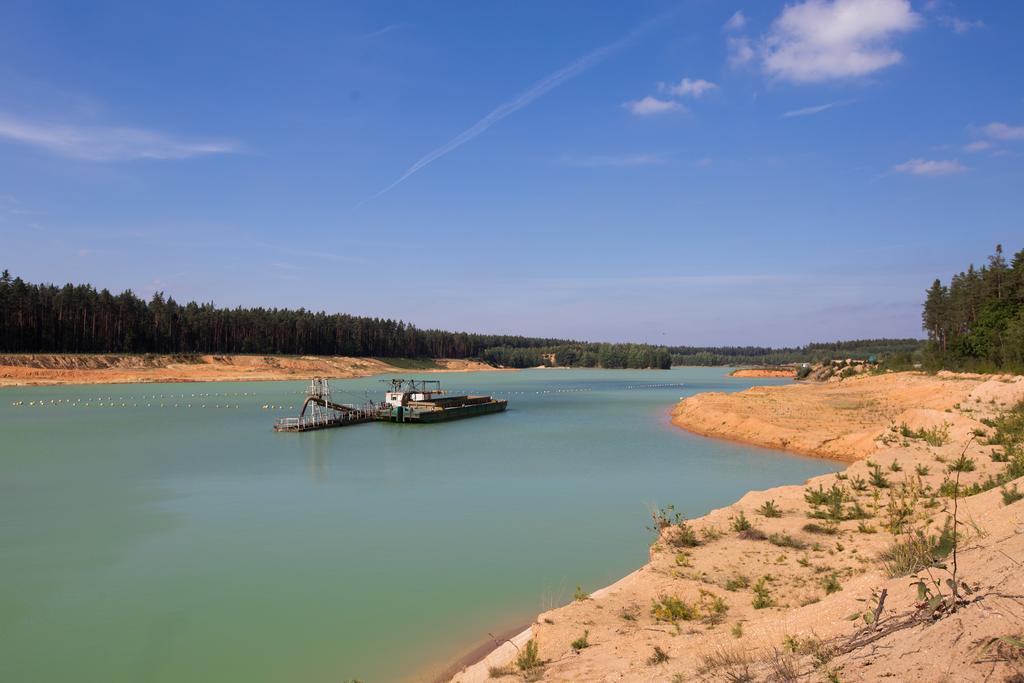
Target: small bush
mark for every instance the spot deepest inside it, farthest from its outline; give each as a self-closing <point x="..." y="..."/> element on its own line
<point x="828" y="528"/>
<point x="936" y="436"/>
<point x="670" y="608"/>
<point x="529" y="658"/>
<point x="762" y="596"/>
<point x="684" y="536"/>
<point x="658" y="657"/>
<point x="783" y="666"/>
<point x="580" y="595"/>
<point x="922" y="470"/>
<point x="895" y="466"/>
<point x="786" y="541"/>
<point x="769" y="509"/>
<point x="1011" y="495"/>
<point x="831" y="584"/>
<point x="737" y="630"/>
<point x="740" y="522"/>
<point x="714" y="607"/>
<point x="728" y="663"/>
<point x="916" y="552"/>
<point x="858" y="483"/>
<point x="962" y="464"/>
<point x="581" y="643"/>
<point x="500" y="671"/>
<point x="753" y="534"/>
<point x="878" y="479"/>
<point x="736" y="583"/>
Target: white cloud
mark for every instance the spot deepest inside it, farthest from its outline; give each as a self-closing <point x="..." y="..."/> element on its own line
<point x="741" y="51"/>
<point x="1002" y="131"/>
<point x="979" y="146"/>
<point x="737" y="21"/>
<point x="621" y="160"/>
<point x="818" y="40"/>
<point x="961" y="26"/>
<point x="93" y="143"/>
<point x="652" y="105"/>
<point x="810" y="111"/>
<point x="687" y="87"/>
<point x="930" y="167"/>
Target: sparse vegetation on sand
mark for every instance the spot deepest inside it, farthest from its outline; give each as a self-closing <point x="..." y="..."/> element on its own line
<point x="874" y="559"/>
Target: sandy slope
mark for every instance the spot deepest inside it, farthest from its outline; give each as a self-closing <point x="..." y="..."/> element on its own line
<point x="18" y="369"/>
<point x="622" y="631"/>
<point x="831" y="419"/>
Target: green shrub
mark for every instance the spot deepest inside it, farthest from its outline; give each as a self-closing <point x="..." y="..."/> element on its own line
<point x="581" y="643"/>
<point x="962" y="464"/>
<point x="685" y="536"/>
<point x="659" y="656"/>
<point x="916" y="552"/>
<point x="762" y="596"/>
<point x="831" y="584"/>
<point x="769" y="509"/>
<point x="671" y="608"/>
<point x="529" y="657"/>
<point x="828" y="528"/>
<point x="878" y="479"/>
<point x="740" y="522"/>
<point x="737" y="582"/>
<point x="1011" y="495"/>
<point x="580" y="595"/>
<point x="714" y="607"/>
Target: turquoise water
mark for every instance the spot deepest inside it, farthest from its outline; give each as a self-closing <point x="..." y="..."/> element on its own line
<point x="142" y="543"/>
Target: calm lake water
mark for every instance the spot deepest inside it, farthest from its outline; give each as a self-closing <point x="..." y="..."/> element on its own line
<point x="142" y="543"/>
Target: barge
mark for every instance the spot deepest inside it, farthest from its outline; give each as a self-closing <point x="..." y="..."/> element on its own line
<point x="406" y="401"/>
<point x="424" y="401"/>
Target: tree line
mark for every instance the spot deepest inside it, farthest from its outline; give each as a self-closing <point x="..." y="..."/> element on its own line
<point x="976" y="322"/>
<point x="44" y="318"/>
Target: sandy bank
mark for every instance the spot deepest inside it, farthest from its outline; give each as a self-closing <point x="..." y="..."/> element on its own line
<point x="49" y="369"/>
<point x="763" y="372"/>
<point x="833" y="420"/>
<point x="816" y="576"/>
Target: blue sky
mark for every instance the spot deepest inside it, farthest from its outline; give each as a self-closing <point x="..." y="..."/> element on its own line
<point x="698" y="172"/>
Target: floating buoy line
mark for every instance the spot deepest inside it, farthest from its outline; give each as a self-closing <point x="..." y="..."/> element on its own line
<point x="182" y="400"/>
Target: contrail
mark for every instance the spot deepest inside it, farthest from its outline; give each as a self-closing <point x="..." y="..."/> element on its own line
<point x="535" y="91"/>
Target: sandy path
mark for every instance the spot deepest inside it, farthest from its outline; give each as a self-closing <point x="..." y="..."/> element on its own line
<point x="818" y="584"/>
<point x="49" y="369"/>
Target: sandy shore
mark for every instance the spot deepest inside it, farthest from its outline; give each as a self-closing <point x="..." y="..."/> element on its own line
<point x="764" y="372"/>
<point x="50" y="369"/>
<point x="817" y="577"/>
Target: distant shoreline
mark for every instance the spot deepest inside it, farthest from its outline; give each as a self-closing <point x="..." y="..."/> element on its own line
<point x="51" y="369"/>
